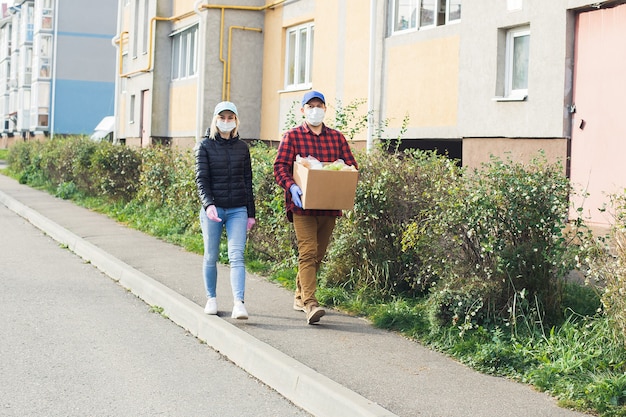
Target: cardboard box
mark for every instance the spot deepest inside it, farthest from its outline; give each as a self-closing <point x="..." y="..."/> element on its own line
<point x="325" y="189"/>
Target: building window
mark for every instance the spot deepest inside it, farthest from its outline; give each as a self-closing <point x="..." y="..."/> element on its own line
<point x="404" y="13"/>
<point x="422" y="14"/>
<point x="43" y="54"/>
<point x="30" y="22"/>
<point x="47" y="14"/>
<point x="131" y="108"/>
<point x="123" y="80"/>
<point x="44" y="68"/>
<point x="428" y="13"/>
<point x="28" y="65"/>
<point x="46" y="19"/>
<point x="514" y="5"/>
<point x="453" y="11"/>
<point x="43" y="101"/>
<point x="146" y="27"/>
<point x="135" y="31"/>
<point x="45" y="46"/>
<point x="299" y="57"/>
<point x="184" y="53"/>
<point x="516" y="64"/>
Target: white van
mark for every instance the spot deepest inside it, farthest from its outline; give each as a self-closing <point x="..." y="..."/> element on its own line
<point x="104" y="130"/>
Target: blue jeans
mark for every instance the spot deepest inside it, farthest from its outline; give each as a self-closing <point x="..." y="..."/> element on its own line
<point x="235" y="220"/>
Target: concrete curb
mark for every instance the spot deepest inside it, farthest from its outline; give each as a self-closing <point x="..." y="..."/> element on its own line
<point x="306" y="388"/>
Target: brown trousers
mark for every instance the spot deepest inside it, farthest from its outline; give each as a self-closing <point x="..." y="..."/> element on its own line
<point x="313" y="234"/>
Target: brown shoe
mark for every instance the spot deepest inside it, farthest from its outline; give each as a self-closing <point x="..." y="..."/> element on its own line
<point x="298" y="305"/>
<point x="314" y="313"/>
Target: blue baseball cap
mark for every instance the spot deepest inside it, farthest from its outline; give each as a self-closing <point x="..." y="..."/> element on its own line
<point x="311" y="95"/>
<point x="225" y="105"/>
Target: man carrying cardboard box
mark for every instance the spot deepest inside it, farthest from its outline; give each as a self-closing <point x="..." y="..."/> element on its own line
<point x="313" y="228"/>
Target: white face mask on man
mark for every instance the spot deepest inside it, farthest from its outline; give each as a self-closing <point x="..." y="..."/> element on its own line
<point x="314" y="115"/>
<point x="225" y="127"/>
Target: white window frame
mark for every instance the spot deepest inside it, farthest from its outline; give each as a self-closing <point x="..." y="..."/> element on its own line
<point x="146" y="28"/>
<point x="511" y="36"/>
<point x="184" y="53"/>
<point x="419" y="14"/>
<point x="131" y="109"/>
<point x="448" y="19"/>
<point x="514" y="5"/>
<point x="296" y="57"/>
<point x="413" y="20"/>
<point x="135" y="32"/>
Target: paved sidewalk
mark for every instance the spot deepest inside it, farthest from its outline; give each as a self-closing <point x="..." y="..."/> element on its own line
<point x="342" y="367"/>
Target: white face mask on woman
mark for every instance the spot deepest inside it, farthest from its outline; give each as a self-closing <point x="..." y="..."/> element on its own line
<point x="225" y="127"/>
<point x="314" y="115"/>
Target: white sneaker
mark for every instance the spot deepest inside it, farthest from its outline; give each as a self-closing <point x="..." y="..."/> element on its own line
<point x="239" y="311"/>
<point x="211" y="306"/>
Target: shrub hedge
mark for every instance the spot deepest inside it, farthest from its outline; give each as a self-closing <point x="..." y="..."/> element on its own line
<point x="487" y="246"/>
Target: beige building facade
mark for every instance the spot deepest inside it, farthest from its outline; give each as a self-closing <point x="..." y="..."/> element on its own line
<point x="470" y="78"/>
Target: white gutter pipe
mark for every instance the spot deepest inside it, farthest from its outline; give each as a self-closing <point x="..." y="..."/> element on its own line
<point x="53" y="87"/>
<point x="370" y="88"/>
<point x="116" y="43"/>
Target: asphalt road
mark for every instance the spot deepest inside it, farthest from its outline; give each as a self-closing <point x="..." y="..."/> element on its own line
<point x="75" y="343"/>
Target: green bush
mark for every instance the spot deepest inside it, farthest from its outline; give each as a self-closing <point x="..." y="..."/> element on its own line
<point x="272" y="237"/>
<point x="482" y="245"/>
<point x="93" y="168"/>
<point x="156" y="176"/>
<point x="506" y="222"/>
<point x="25" y="163"/>
<point x="604" y="261"/>
<point x="167" y="191"/>
<point x="614" y="296"/>
<point x="116" y="170"/>
<point x="70" y="160"/>
<point x="394" y="191"/>
<point x="182" y="198"/>
<point x="66" y="190"/>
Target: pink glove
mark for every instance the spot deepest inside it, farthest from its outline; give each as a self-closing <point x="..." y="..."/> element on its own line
<point x="251" y="222"/>
<point x="211" y="213"/>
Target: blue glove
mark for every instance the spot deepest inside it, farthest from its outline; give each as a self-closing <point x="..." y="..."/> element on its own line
<point x="296" y="192"/>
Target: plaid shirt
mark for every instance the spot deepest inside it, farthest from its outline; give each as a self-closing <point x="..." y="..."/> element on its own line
<point x="328" y="146"/>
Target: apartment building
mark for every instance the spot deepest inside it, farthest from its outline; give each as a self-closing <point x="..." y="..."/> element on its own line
<point x="472" y="78"/>
<point x="57" y="67"/>
<point x="177" y="59"/>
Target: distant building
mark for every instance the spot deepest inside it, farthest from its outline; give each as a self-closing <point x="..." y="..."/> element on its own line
<point x="57" y="67"/>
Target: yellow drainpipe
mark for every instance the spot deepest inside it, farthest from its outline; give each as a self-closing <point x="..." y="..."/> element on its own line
<point x="120" y="41"/>
<point x="230" y="37"/>
<point x="151" y="38"/>
<point x="225" y="64"/>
